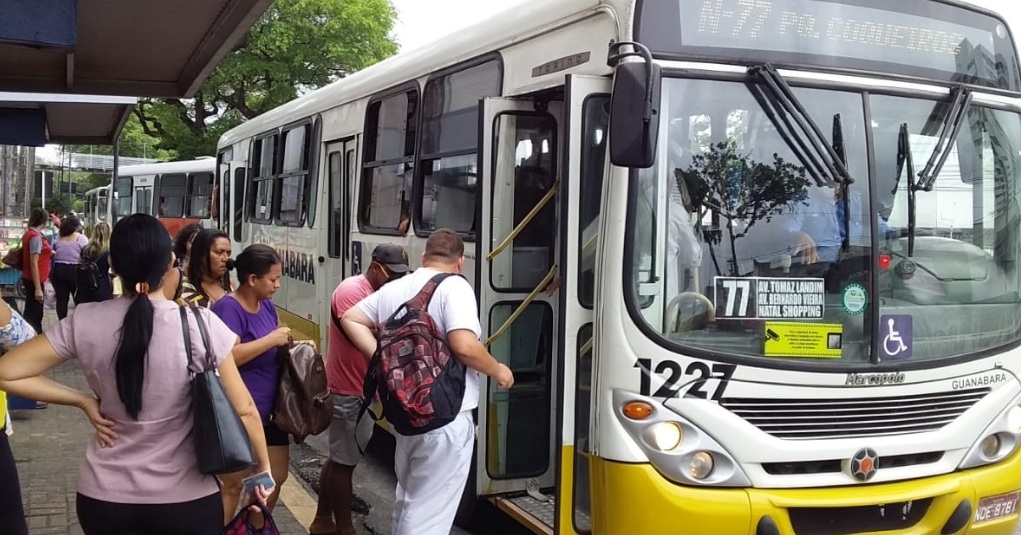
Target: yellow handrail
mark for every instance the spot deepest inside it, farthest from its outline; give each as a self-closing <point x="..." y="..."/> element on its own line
<point x="524" y="222"/>
<point x="587" y="346"/>
<point x="524" y="304"/>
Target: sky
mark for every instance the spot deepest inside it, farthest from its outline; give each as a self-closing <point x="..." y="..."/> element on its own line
<point x="422" y="21"/>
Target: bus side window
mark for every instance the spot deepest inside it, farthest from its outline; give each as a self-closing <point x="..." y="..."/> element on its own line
<point x="385" y="203"/>
<point x="173" y="188"/>
<point x="238" y="219"/>
<point x="450" y="147"/>
<point x="294" y="164"/>
<point x="594" y="124"/>
<point x="263" y="164"/>
<point x="200" y="188"/>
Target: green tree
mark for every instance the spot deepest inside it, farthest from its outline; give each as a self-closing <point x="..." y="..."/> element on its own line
<point x="741" y="189"/>
<point x="59" y="202"/>
<point x="297" y="46"/>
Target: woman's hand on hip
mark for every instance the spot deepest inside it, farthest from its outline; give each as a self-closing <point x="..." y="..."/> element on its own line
<point x="104" y="428"/>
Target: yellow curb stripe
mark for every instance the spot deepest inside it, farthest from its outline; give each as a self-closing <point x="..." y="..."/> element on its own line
<point x="298" y="501"/>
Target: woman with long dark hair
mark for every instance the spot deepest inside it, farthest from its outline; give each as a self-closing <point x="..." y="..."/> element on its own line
<point x="208" y="271"/>
<point x="35" y="266"/>
<point x="140" y="473"/>
<point x="250" y="313"/>
<point x="94" y="284"/>
<point x="173" y="286"/>
<point x="67" y="253"/>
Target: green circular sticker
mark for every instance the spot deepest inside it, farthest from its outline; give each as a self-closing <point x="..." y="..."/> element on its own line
<point x="853" y="298"/>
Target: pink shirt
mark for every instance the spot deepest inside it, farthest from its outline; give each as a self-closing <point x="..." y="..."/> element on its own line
<point x="345" y="365"/>
<point x="153" y="459"/>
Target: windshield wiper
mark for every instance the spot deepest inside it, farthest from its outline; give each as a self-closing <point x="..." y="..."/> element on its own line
<point x="820" y="159"/>
<point x="841" y="151"/>
<point x="904" y="160"/>
<point x="947" y="137"/>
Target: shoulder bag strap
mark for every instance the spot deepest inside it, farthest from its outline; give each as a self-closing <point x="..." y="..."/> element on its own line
<point x="187" y="339"/>
<point x="204" y="331"/>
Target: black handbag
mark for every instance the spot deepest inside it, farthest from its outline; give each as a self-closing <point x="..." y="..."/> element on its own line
<point x="221" y="441"/>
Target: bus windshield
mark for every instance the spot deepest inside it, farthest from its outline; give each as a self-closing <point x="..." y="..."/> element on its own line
<point x="738" y="250"/>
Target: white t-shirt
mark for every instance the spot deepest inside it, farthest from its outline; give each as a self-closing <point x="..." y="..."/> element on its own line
<point x="453" y="306"/>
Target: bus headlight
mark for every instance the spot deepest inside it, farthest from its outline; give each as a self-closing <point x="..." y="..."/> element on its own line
<point x="677" y="448"/>
<point x="664" y="436"/>
<point x="998" y="441"/>
<point x="990" y="446"/>
<point x="701" y="465"/>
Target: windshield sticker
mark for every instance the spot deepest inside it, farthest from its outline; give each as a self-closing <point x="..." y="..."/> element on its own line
<point x="811" y="340"/>
<point x="769" y="298"/>
<point x="854" y="299"/>
<point x="896" y="330"/>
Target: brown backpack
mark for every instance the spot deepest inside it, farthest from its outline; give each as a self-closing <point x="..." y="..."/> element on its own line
<point x="303" y="405"/>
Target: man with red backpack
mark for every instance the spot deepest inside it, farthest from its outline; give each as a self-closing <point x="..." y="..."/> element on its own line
<point x="426" y="372"/>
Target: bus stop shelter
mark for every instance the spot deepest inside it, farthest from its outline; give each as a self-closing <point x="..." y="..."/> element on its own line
<point x="85" y="49"/>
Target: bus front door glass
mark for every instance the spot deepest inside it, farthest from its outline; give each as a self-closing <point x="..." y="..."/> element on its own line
<point x="738" y="247"/>
<point x="525" y="174"/>
<point x="516" y="244"/>
<point x="951" y="277"/>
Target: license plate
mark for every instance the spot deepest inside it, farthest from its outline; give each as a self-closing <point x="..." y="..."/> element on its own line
<point x="996" y="507"/>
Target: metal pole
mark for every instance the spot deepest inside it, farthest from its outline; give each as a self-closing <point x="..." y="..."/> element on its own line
<point x="110" y="200"/>
<point x="5" y="176"/>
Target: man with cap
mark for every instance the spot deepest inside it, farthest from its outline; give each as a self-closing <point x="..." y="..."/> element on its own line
<point x="345" y="374"/>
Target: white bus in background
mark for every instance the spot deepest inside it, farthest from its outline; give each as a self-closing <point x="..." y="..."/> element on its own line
<point x="176" y="193"/>
<point x="770" y="319"/>
<point x="96" y="207"/>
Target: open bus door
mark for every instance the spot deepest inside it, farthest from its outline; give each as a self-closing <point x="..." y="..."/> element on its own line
<point x="516" y="259"/>
<point x="539" y="208"/>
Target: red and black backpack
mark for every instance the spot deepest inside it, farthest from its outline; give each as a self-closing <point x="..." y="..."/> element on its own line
<point x="419" y="381"/>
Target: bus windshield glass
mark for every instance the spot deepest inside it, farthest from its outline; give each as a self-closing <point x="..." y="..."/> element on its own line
<point x="738" y="250"/>
<point x="919" y="38"/>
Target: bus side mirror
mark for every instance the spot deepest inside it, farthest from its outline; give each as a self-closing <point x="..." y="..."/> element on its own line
<point x="634" y="109"/>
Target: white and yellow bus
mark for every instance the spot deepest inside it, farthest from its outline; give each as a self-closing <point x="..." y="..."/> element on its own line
<point x="749" y="206"/>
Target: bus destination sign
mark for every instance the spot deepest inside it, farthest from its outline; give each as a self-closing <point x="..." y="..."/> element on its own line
<point x="923" y="38"/>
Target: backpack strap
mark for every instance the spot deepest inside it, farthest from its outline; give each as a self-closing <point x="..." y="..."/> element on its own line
<point x="427" y="291"/>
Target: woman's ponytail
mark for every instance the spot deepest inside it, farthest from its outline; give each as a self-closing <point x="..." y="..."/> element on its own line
<point x="140" y="254"/>
<point x="136" y="333"/>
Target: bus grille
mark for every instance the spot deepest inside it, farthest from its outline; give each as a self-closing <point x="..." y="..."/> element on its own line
<point x="865" y="519"/>
<point x="837" y="418"/>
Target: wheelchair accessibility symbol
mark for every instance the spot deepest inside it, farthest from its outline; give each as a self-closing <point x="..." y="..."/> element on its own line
<point x="896" y="330"/>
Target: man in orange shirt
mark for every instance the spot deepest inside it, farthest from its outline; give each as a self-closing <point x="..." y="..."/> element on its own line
<point x="345" y="375"/>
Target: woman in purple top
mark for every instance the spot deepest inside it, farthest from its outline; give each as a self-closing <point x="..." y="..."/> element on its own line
<point x="250" y="313"/>
<point x="67" y="252"/>
<point x="140" y="473"/>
